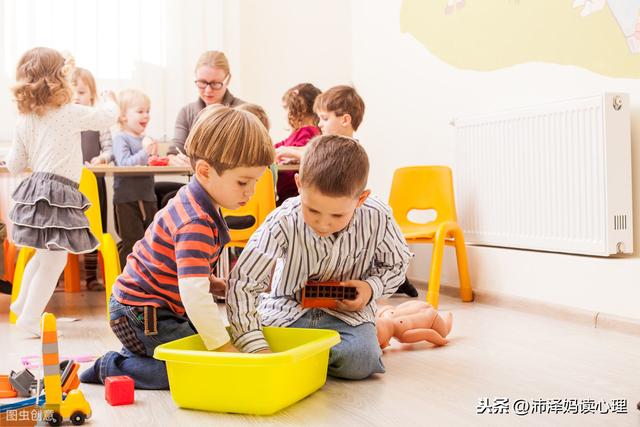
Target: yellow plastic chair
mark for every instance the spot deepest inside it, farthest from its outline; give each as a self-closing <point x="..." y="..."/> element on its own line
<point x="425" y="188"/>
<point x="259" y="206"/>
<point x="107" y="250"/>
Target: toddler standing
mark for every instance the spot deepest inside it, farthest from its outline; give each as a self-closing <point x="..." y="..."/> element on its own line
<point x="49" y="209"/>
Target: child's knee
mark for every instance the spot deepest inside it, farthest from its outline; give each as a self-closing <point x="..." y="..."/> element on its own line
<point x="356" y="360"/>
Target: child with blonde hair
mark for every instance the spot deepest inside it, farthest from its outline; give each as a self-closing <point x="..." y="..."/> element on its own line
<point x="257" y="111"/>
<point x="242" y="222"/>
<point x="298" y="103"/>
<point x="96" y="149"/>
<point x="133" y="196"/>
<point x="49" y="210"/>
<point x="164" y="291"/>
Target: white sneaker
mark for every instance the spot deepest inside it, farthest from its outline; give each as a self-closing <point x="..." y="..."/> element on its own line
<point x="29" y="327"/>
<point x="16" y="308"/>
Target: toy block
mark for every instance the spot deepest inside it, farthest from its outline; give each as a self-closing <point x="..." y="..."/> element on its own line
<point x="158" y="161"/>
<point x="21" y="382"/>
<point x="119" y="390"/>
<point x="326" y="294"/>
<point x="6" y="390"/>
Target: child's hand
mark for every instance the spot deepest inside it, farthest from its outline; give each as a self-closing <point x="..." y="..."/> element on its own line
<point x="178" y="160"/>
<point x="150" y="145"/>
<point x="109" y="95"/>
<point x="363" y="297"/>
<point x="287" y="154"/>
<point x="98" y="161"/>
<point x="228" y="348"/>
<point x="264" y="351"/>
<point x="217" y="287"/>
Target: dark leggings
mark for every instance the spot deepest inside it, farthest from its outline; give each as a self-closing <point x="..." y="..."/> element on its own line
<point x="132" y="220"/>
<point x="165" y="192"/>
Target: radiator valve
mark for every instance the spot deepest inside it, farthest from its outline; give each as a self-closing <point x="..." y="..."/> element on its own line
<point x="617" y="103"/>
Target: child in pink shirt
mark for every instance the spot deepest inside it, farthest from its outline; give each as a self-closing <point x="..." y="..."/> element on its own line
<point x="298" y="103"/>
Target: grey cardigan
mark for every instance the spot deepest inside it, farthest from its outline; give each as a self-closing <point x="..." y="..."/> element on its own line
<point x="187" y="117"/>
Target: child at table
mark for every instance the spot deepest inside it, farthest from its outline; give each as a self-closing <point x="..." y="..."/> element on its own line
<point x="259" y="112"/>
<point x="298" y="103"/>
<point x="133" y="196"/>
<point x="96" y="150"/>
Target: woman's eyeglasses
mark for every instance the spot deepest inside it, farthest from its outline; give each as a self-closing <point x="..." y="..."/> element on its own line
<point x="202" y="84"/>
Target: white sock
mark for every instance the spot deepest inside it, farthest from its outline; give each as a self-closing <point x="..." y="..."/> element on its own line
<point x="41" y="287"/>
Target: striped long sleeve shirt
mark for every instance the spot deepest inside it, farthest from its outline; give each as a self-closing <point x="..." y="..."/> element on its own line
<point x="371" y="248"/>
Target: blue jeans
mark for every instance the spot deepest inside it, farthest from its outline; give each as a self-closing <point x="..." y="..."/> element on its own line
<point x="357" y="356"/>
<point x="140" y="333"/>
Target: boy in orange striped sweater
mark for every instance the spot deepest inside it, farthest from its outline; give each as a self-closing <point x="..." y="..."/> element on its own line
<point x="163" y="294"/>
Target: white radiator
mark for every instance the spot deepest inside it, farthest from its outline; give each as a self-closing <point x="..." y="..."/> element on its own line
<point x="554" y="178"/>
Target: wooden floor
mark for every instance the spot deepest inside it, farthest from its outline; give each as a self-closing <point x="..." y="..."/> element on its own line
<point x="493" y="353"/>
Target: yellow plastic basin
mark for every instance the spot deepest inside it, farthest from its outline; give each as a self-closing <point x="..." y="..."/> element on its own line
<point x="248" y="383"/>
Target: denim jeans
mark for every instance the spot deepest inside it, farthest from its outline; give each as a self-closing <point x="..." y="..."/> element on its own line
<point x="357" y="356"/>
<point x="136" y="357"/>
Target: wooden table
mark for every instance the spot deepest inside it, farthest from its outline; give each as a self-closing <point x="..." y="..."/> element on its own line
<point x="130" y="170"/>
<point x="155" y="170"/>
<point x="141" y="170"/>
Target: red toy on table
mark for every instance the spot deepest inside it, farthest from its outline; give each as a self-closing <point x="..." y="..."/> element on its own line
<point x="158" y="161"/>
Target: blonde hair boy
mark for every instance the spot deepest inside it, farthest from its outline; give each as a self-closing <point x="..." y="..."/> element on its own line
<point x="128" y="98"/>
<point x="168" y="277"/>
<point x="227" y="138"/>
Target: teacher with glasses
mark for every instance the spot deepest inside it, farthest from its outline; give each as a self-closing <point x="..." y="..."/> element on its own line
<point x="212" y="79"/>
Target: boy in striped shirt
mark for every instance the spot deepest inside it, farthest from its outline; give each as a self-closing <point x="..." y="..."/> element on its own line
<point x="333" y="231"/>
<point x="163" y="294"/>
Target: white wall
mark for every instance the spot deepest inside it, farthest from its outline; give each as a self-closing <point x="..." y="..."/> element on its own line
<point x="189" y="27"/>
<point x="281" y="43"/>
<point x="412" y="95"/>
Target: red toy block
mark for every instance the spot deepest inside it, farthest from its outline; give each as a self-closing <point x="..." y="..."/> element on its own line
<point x="158" y="161"/>
<point x="326" y="294"/>
<point x="119" y="390"/>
